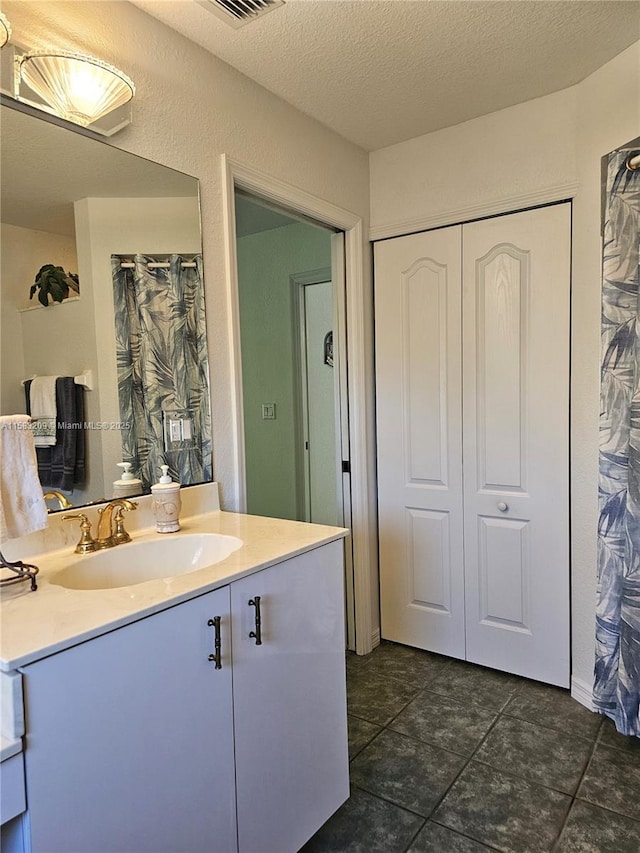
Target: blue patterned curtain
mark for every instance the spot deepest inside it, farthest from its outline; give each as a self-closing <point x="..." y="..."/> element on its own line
<point x="617" y="671"/>
<point x="162" y="364"/>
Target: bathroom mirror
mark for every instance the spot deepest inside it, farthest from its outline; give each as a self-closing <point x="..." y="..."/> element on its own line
<point x="130" y="349"/>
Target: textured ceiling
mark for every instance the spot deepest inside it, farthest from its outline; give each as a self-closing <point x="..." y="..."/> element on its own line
<point x="382" y="71"/>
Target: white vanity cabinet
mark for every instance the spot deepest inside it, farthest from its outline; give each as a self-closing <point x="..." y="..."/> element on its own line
<point x="129" y="742"/>
<point x="137" y="743"/>
<point x="289" y="700"/>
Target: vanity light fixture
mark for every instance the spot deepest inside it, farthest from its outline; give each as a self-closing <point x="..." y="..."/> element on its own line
<point x="76" y="87"/>
<point x="5" y="30"/>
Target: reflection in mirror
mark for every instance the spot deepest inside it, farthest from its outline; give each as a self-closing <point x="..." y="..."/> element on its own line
<point x="119" y="369"/>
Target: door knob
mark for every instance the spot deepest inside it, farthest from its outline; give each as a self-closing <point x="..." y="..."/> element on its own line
<point x="502" y="506"/>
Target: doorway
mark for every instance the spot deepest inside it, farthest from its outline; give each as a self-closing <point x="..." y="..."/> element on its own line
<point x="293" y="366"/>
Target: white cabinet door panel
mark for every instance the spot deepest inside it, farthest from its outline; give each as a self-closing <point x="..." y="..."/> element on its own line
<point x="516" y="273"/>
<point x="290" y="700"/>
<point x="111" y="767"/>
<point x="418" y="390"/>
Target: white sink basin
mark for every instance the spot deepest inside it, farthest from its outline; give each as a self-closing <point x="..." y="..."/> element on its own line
<point x="137" y="562"/>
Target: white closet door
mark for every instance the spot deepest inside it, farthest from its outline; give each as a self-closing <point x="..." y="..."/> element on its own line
<point x="516" y="277"/>
<point x="418" y="379"/>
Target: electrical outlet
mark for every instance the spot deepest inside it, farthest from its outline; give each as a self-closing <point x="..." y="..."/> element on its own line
<point x="268" y="411"/>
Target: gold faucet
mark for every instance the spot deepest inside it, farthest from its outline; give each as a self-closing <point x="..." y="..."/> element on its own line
<point x="58" y="496"/>
<point x="106" y="536"/>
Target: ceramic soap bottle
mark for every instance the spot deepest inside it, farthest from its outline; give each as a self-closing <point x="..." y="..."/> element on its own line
<point x="166" y="503"/>
<point x="127" y="485"/>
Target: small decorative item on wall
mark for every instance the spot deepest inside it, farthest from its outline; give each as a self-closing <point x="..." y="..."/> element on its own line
<point x="54" y="282"/>
<point x="328" y="349"/>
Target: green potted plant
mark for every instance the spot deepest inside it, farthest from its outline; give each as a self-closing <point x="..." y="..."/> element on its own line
<point x="54" y="282"/>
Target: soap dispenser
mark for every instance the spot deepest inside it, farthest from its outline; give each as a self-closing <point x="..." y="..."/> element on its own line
<point x="166" y="503"/>
<point x="127" y="485"/>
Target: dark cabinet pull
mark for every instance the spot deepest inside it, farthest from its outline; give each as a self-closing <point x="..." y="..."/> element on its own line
<point x="257" y="634"/>
<point x="217" y="642"/>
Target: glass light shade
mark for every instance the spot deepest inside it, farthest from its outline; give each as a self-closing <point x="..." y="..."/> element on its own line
<point x="5" y="30"/>
<point x="78" y="88"/>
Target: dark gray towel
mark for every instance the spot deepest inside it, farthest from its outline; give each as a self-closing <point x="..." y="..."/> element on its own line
<point x="63" y="465"/>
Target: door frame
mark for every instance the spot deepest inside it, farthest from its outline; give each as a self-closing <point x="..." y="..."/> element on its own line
<point x="357" y="314"/>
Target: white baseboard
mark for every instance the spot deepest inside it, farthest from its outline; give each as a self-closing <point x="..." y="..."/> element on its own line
<point x="582" y="693"/>
<point x="375" y="638"/>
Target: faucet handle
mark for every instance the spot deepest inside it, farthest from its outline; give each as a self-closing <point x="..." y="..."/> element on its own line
<point x="120" y="534"/>
<point x="86" y="543"/>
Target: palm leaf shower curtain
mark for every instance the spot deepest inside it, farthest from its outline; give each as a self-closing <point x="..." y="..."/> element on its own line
<point x="617" y="670"/>
<point x="162" y="364"/>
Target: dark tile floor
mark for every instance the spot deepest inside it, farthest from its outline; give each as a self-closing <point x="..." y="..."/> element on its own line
<point x="448" y="757"/>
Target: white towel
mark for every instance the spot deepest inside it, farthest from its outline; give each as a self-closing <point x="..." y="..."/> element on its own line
<point x="22" y="506"/>
<point x="42" y="401"/>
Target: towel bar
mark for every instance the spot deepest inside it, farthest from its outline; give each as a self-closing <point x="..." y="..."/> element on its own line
<point x="85" y="379"/>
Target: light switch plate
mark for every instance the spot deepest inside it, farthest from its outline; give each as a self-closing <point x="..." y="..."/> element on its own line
<point x="268" y="411"/>
<point x="180" y="429"/>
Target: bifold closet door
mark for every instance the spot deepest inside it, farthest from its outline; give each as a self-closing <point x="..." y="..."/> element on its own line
<point x="472" y="390"/>
<point x="418" y="390"/>
<point x="516" y="274"/>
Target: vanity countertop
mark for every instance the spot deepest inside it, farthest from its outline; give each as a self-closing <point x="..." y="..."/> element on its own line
<point x="37" y="624"/>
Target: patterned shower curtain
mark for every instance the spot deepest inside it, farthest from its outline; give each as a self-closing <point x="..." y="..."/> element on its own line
<point x="617" y="670"/>
<point x="162" y="364"/>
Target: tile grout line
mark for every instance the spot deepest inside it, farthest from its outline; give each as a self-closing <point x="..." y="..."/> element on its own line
<point x="519" y="776"/>
<point x="596" y="740"/>
<point x="462" y="769"/>
<point x="547" y="727"/>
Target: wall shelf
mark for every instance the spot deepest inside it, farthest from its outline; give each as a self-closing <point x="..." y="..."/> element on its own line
<point x="39" y="307"/>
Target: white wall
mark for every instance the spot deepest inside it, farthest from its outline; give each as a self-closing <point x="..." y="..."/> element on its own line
<point x="190" y="108"/>
<point x="483" y="163"/>
<point x="56" y="340"/>
<point x="550" y="147"/>
<point x="24" y="251"/>
<point x="114" y="226"/>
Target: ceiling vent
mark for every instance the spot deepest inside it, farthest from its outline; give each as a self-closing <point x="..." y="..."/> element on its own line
<point x="237" y="13"/>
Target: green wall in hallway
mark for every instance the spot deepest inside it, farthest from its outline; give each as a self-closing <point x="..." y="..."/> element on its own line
<point x="265" y="262"/>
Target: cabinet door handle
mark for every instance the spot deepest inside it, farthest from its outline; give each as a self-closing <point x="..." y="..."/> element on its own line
<point x="257" y="634"/>
<point x="217" y="642"/>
